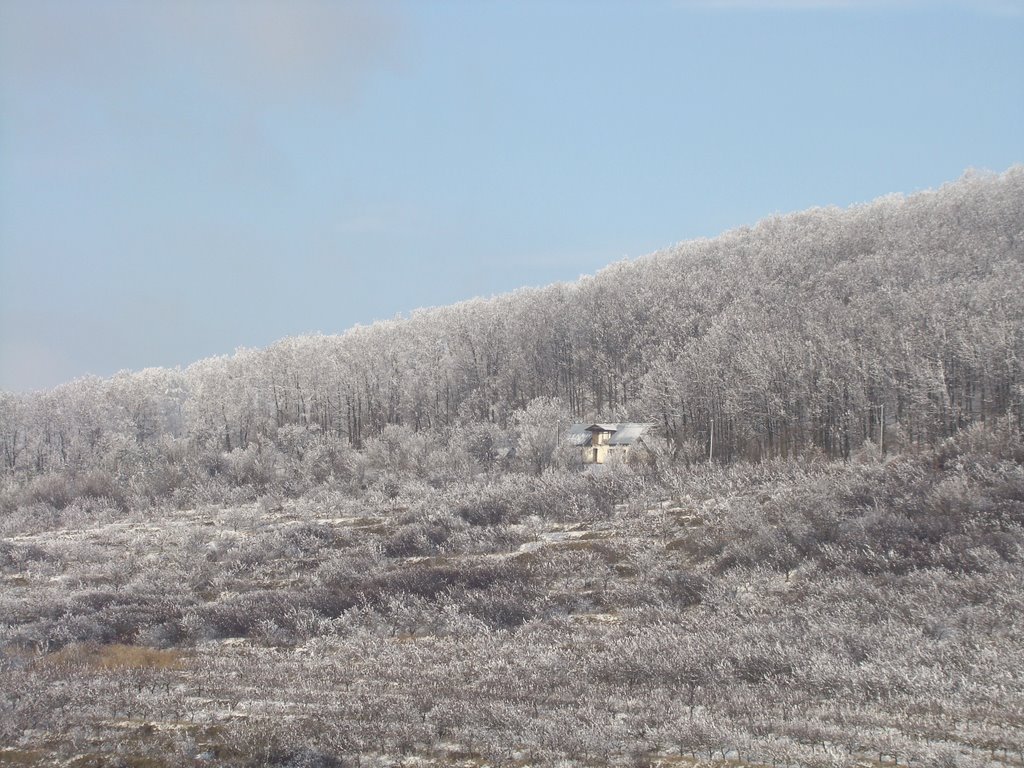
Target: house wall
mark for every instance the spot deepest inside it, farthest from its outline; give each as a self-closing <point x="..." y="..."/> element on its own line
<point x="599" y="451"/>
<point x="596" y="454"/>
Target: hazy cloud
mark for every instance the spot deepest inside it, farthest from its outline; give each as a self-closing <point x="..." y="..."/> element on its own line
<point x="31" y="365"/>
<point x="288" y="46"/>
<point x="107" y="90"/>
<point x="781" y="4"/>
<point x="269" y="48"/>
<point x="999" y="7"/>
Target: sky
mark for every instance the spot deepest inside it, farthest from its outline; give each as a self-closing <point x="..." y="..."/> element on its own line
<point x="180" y="179"/>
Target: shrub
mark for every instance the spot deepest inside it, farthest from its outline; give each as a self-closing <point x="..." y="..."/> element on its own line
<point x="486" y="512"/>
<point x="503" y="606"/>
<point x="99" y="484"/>
<point x="52" y="489"/>
<point x="684" y="588"/>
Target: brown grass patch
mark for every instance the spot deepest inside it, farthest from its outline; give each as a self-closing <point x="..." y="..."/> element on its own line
<point x="115" y="657"/>
<point x="22" y="757"/>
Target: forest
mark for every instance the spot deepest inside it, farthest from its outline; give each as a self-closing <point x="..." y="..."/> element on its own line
<point x="377" y="548"/>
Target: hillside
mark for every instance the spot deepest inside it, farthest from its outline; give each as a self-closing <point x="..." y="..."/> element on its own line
<point x="376" y="548"/>
<point x="791" y="335"/>
<point x="803" y="614"/>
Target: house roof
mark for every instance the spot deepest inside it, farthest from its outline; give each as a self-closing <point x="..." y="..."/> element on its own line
<point x="577" y="435"/>
<point x="623" y="433"/>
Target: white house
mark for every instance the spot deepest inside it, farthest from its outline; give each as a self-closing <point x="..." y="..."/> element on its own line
<point x="601" y="442"/>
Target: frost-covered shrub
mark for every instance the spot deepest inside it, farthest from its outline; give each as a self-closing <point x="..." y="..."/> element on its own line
<point x="30" y="518"/>
<point x="10" y="495"/>
<point x="475" y="447"/>
<point x="254" y="466"/>
<point x="504" y="606"/>
<point x="302" y="757"/>
<point x="488" y="539"/>
<point x="98" y="484"/>
<point x="400" y="452"/>
<point x="253" y="550"/>
<point x="248" y="614"/>
<point x="309" y="539"/>
<point x="54" y="490"/>
<point x="416" y="539"/>
<point x="166" y="634"/>
<point x="85" y="512"/>
<point x="17" y="557"/>
<point x="329" y="457"/>
<point x="486" y="511"/>
<point x="684" y="588"/>
<point x="126" y="616"/>
<point x="1000" y="440"/>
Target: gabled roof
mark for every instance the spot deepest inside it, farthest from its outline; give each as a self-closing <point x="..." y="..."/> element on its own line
<point x="577" y="435"/>
<point x="623" y="433"/>
<point x="627" y="434"/>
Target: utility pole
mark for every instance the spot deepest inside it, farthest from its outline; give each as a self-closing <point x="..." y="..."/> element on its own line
<point x="711" y="448"/>
<point x="881" y="438"/>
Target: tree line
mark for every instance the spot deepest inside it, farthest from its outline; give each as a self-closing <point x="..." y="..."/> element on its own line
<point x="898" y="322"/>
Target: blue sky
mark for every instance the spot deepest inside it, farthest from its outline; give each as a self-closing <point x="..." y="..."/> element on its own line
<point x="181" y="179"/>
